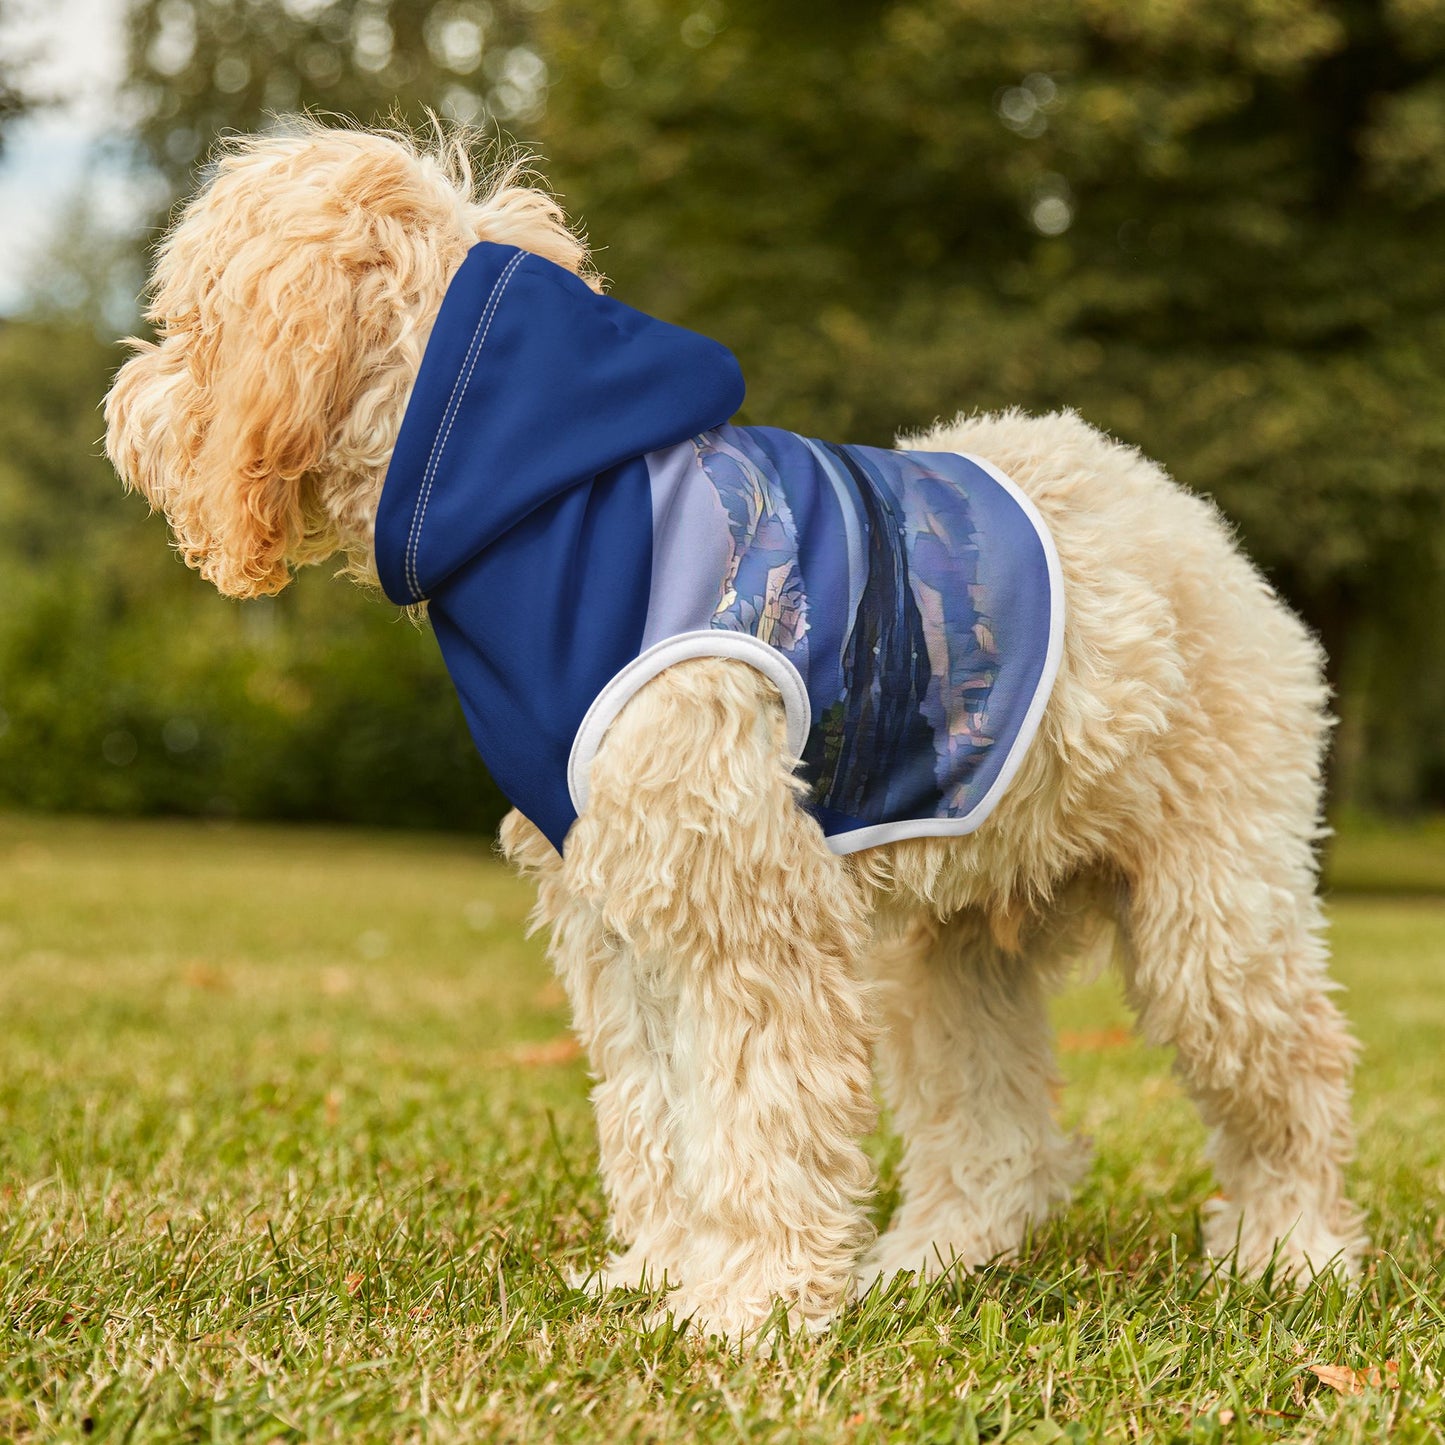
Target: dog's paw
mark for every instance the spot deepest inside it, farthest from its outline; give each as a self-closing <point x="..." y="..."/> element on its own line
<point x="753" y="1324"/>
<point x="632" y="1270"/>
<point x="966" y="1228"/>
<point x="901" y="1252"/>
<point x="1298" y="1247"/>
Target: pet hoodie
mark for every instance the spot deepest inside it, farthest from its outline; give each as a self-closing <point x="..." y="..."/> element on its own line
<point x="569" y="497"/>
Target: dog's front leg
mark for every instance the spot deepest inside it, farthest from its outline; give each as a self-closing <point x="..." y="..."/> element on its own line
<point x="735" y="933"/>
<point x="622" y="1016"/>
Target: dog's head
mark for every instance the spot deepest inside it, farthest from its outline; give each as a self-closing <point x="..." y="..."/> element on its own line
<point x="292" y="300"/>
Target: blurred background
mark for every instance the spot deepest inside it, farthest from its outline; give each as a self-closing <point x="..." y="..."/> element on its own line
<point x="1214" y="227"/>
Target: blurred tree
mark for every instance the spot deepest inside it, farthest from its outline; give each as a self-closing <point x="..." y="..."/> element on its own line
<point x="1216" y="229"/>
<point x="15" y="96"/>
<point x="58" y="496"/>
<point x="202" y="67"/>
<point x="127" y="685"/>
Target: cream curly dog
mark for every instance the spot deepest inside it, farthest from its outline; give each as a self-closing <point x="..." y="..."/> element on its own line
<point x="732" y="976"/>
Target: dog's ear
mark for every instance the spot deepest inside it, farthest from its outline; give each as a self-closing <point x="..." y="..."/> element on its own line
<point x="277" y="352"/>
<point x="289" y="286"/>
<point x="221" y="423"/>
<point x="292" y="301"/>
<point x="143" y="415"/>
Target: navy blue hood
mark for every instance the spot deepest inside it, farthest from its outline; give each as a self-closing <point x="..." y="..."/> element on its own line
<point x="517" y="502"/>
<point x="532" y="384"/>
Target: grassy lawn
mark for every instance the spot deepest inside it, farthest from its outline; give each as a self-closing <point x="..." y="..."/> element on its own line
<point x="1370" y="856"/>
<point x="292" y="1146"/>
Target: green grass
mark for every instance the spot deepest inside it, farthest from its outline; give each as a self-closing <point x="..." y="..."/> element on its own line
<point x="1373" y="856"/>
<point x="284" y="1155"/>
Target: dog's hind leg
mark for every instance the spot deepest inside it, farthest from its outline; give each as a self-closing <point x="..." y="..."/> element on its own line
<point x="1225" y="961"/>
<point x="966" y="1060"/>
<point x="741" y="932"/>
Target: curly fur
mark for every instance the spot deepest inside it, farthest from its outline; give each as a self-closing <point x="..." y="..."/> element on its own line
<point x="729" y="976"/>
<point x="292" y="301"/>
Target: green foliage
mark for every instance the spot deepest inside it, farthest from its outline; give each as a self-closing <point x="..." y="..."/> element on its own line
<point x="282" y="1158"/>
<point x="203" y="67"/>
<point x="1216" y="229"/>
<point x="15" y="98"/>
<point x="250" y="712"/>
<point x="127" y="686"/>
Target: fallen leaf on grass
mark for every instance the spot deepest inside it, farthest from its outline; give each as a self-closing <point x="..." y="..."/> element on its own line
<point x="1346" y="1381"/>
<point x="204" y="976"/>
<point x="551" y="995"/>
<point x="335" y="982"/>
<point x="1096" y="1041"/>
<point x="354" y="1283"/>
<point x="554" y="1051"/>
